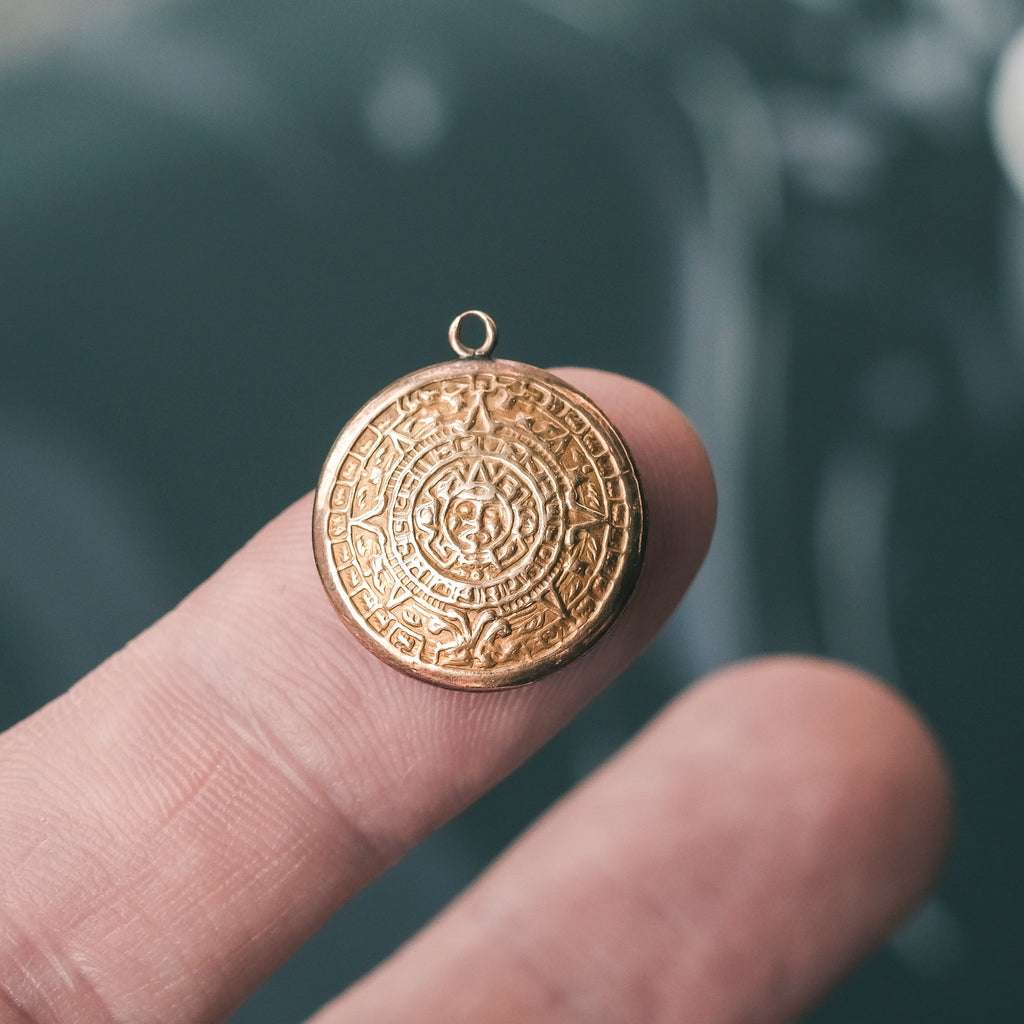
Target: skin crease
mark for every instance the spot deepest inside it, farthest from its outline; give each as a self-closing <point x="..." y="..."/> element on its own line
<point x="185" y="817"/>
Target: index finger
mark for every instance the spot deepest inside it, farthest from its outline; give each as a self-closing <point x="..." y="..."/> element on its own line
<point x="194" y="809"/>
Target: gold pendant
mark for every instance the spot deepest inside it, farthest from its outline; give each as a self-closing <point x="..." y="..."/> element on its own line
<point x="479" y="523"/>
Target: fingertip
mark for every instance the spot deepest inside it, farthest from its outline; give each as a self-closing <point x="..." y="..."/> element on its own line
<point x="870" y="766"/>
<point x="743" y="852"/>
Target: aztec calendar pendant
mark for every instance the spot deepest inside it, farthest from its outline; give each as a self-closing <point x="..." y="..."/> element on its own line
<point x="479" y="523"/>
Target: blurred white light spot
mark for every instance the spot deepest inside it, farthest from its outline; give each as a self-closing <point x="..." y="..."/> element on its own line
<point x="924" y="69"/>
<point x="1006" y="111"/>
<point x="899" y="392"/>
<point x="931" y="943"/>
<point x="981" y="24"/>
<point x="836" y="153"/>
<point x="405" y="112"/>
<point x="30" y="28"/>
<point x="203" y="83"/>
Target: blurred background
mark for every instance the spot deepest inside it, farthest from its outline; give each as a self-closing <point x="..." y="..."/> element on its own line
<point x="224" y="224"/>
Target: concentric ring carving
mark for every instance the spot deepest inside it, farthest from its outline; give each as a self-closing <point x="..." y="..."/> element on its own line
<point x="479" y="523"/>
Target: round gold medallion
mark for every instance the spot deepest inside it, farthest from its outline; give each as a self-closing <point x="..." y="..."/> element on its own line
<point x="479" y="523"/>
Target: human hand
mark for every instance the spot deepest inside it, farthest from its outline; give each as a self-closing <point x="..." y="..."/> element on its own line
<point x="189" y="813"/>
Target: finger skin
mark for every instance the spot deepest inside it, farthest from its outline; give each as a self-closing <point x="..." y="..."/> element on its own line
<point x="178" y="823"/>
<point x="767" y="830"/>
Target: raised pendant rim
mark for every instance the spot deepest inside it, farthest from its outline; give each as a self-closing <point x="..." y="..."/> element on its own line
<point x="502" y="676"/>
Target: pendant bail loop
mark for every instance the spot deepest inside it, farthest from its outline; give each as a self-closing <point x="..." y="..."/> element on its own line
<point x="464" y="351"/>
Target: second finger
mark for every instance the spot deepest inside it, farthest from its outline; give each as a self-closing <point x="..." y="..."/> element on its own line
<point x="738" y="856"/>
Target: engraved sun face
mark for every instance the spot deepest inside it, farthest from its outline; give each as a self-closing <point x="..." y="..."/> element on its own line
<point x="475" y="519"/>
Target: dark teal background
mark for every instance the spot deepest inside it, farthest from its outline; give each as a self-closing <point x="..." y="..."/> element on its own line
<point x="224" y="225"/>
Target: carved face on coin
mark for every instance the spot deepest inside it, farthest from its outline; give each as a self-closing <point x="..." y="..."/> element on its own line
<point x="479" y="524"/>
<point x="474" y="519"/>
